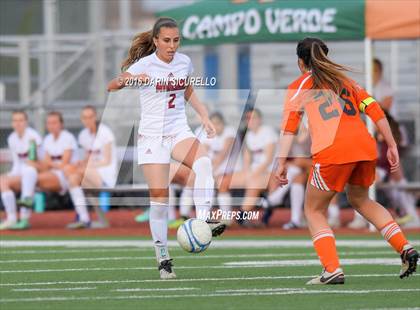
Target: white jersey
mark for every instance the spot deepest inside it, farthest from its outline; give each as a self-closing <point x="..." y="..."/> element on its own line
<point x="382" y="90"/>
<point x="93" y="145"/>
<point x="56" y="147"/>
<point x="216" y="145"/>
<point x="258" y="142"/>
<point x="163" y="104"/>
<point x="19" y="147"/>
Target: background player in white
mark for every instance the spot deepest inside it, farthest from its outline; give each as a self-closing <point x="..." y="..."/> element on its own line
<point x="99" y="165"/>
<point x="22" y="177"/>
<point x="219" y="149"/>
<point x="59" y="148"/>
<point x="163" y="130"/>
<point x="258" y="159"/>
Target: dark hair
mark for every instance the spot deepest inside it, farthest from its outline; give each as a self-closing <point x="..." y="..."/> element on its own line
<point x="142" y="44"/>
<point x="57" y="114"/>
<point x="254" y="110"/>
<point x="89" y="107"/>
<point x="377" y="62"/>
<point x="19" y="111"/>
<point x="325" y="73"/>
<point x="218" y="115"/>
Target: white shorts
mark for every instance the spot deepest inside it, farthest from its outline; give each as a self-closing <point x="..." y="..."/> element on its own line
<point x="158" y="149"/>
<point x="62" y="179"/>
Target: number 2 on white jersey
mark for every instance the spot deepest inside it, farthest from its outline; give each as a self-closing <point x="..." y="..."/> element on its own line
<point x="171" y="104"/>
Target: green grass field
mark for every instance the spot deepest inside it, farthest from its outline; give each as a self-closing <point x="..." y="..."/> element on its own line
<point x="232" y="274"/>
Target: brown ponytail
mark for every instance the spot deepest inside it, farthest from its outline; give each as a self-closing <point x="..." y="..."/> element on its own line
<point x="325" y="73"/>
<point x="143" y="45"/>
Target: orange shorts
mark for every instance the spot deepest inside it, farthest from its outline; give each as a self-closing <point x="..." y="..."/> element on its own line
<point x="334" y="177"/>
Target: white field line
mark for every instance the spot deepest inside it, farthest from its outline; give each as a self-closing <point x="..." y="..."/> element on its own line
<point x="291" y="292"/>
<point x="156" y="289"/>
<point x="101" y="250"/>
<point x="369" y="275"/>
<point x="229" y="265"/>
<point x="359" y="243"/>
<point x="315" y="262"/>
<point x="37" y="289"/>
<point x="105" y="250"/>
<point x="192" y="256"/>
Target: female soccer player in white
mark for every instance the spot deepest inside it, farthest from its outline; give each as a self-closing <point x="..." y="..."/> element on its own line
<point x="22" y="177"/>
<point x="163" y="130"/>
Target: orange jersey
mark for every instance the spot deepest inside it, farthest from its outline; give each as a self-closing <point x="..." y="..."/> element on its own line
<point x="338" y="133"/>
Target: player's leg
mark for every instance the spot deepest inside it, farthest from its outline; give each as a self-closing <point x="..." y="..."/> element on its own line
<point x="324" y="182"/>
<point x="224" y="198"/>
<point x="297" y="195"/>
<point x="192" y="154"/>
<point x="9" y="185"/>
<point x="74" y="179"/>
<point x="405" y="200"/>
<point x="316" y="204"/>
<point x="255" y="184"/>
<point x="380" y="217"/>
<point x="28" y="183"/>
<point x="184" y="176"/>
<point x="334" y="213"/>
<point x="157" y="176"/>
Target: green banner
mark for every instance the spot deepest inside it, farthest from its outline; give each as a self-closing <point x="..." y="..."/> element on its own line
<point x="222" y="21"/>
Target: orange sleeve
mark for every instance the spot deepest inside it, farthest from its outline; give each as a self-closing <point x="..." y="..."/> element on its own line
<point x="292" y="112"/>
<point x="368" y="105"/>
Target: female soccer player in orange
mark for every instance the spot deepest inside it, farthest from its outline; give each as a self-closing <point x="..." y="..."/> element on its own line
<point x="343" y="153"/>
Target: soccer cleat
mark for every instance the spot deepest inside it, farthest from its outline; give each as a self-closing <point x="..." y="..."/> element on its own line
<point x="7" y="224"/>
<point x="78" y="225"/>
<point x="174" y="224"/>
<point x="336" y="277"/>
<point x="26" y="202"/>
<point x="165" y="269"/>
<point x="217" y="228"/>
<point x="404" y="219"/>
<point x="409" y="260"/>
<point x="21" y="225"/>
<point x="141" y="218"/>
<point x="290" y="226"/>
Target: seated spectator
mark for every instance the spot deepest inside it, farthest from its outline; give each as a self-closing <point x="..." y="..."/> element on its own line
<point x="98" y="168"/>
<point x="22" y="177"/>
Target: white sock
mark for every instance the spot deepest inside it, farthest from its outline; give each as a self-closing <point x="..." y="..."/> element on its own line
<point x="276" y="197"/>
<point x="9" y="202"/>
<point x="297" y="194"/>
<point x="171" y="204"/>
<point x="158" y="222"/>
<point x="203" y="187"/>
<point x="333" y="211"/>
<point x="25" y="213"/>
<point x="186" y="201"/>
<point x="79" y="201"/>
<point x="29" y="178"/>
<point x="171" y="213"/>
<point x="225" y="201"/>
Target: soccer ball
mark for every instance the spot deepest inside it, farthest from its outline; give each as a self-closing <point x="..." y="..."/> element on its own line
<point x="194" y="235"/>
